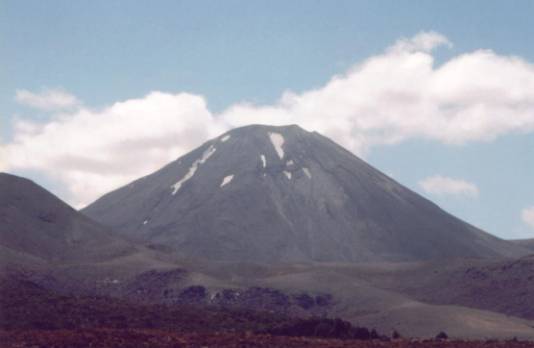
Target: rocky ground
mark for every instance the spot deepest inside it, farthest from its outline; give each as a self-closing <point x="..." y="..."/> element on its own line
<point x="157" y="338"/>
<point x="31" y="316"/>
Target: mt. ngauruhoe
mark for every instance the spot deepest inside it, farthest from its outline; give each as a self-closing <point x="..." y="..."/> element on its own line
<point x="282" y="194"/>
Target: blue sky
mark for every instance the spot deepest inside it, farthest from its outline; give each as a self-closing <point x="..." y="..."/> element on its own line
<point x="247" y="54"/>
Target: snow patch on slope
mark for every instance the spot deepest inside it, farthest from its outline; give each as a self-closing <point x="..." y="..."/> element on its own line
<point x="278" y="141"/>
<point x="288" y="174"/>
<point x="227" y="180"/>
<point x="307" y="172"/>
<point x="226" y="137"/>
<point x="207" y="154"/>
<point x="263" y="161"/>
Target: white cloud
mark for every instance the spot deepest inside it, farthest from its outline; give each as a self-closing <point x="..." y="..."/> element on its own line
<point x="424" y="41"/>
<point x="93" y="152"/>
<point x="48" y="99"/>
<point x="527" y="215"/>
<point x="400" y="94"/>
<point x="386" y="99"/>
<point x="442" y="185"/>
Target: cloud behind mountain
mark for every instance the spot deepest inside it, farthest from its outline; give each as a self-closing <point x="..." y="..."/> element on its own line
<point x="389" y="98"/>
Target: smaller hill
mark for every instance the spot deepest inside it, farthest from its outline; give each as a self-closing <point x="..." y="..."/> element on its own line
<point x="37" y="227"/>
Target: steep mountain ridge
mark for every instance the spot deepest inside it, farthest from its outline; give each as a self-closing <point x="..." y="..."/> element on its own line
<point x="282" y="194"/>
<point x="37" y="227"/>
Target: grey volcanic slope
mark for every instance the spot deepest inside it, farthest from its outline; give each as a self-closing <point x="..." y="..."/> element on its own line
<point x="37" y="226"/>
<point x="282" y="194"/>
<point x="525" y="243"/>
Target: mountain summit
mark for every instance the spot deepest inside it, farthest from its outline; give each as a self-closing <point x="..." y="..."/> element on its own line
<point x="282" y="194"/>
